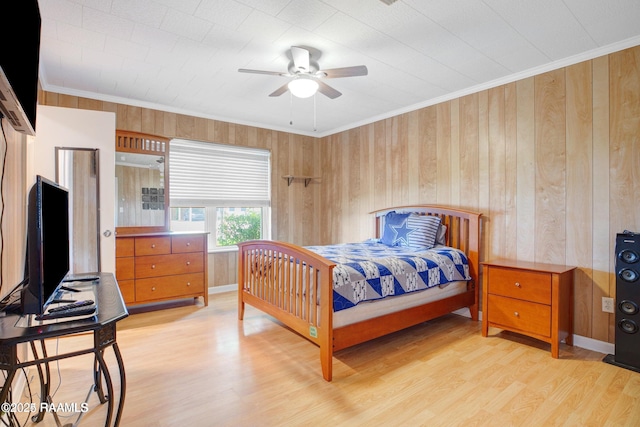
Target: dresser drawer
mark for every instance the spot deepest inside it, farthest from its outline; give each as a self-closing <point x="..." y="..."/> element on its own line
<point x="184" y="285"/>
<point x="166" y="265"/>
<point x="532" y="286"/>
<point x="128" y="290"/>
<point x="125" y="268"/>
<point x="520" y="315"/>
<point x="153" y="245"/>
<point x="187" y="243"/>
<point x="125" y="246"/>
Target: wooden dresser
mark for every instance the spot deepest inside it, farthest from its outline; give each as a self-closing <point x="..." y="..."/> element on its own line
<point x="533" y="299"/>
<point x="157" y="267"/>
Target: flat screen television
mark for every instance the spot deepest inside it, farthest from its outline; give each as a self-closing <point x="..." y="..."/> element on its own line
<point x="19" y="62"/>
<point x="47" y="260"/>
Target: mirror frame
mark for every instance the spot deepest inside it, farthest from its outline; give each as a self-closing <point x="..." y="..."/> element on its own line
<point x="136" y="142"/>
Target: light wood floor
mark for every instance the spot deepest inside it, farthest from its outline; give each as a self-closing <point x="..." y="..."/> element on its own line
<point x="197" y="366"/>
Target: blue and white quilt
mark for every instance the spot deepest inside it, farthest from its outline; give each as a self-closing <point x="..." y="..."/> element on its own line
<point x="371" y="270"/>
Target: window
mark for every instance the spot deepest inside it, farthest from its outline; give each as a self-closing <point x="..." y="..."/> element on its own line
<point x="224" y="190"/>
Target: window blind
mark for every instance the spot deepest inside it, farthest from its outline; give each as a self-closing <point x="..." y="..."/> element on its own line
<point x="209" y="174"/>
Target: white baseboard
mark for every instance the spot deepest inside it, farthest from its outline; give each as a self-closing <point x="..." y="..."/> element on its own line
<point x="222" y="289"/>
<point x="594" y="345"/>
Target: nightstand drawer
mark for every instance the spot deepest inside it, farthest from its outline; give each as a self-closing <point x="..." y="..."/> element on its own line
<point x="520" y="315"/>
<point x="532" y="286"/>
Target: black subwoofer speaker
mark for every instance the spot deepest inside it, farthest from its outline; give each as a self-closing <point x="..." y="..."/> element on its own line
<point x="627" y="268"/>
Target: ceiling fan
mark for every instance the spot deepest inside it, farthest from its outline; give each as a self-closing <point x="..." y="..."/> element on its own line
<point x="307" y="76"/>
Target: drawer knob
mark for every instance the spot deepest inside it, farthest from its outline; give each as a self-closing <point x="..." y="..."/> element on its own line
<point x="188" y="243"/>
<point x="188" y="262"/>
<point x="153" y="289"/>
<point x="153" y="245"/>
<point x="153" y="266"/>
<point x="188" y="283"/>
<point x="515" y="313"/>
<point x="517" y="284"/>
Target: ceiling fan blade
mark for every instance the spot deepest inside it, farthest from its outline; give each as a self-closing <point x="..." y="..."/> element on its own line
<point x="269" y="73"/>
<point x="282" y="89"/>
<point x="327" y="90"/>
<point x="334" y="73"/>
<point x="300" y="58"/>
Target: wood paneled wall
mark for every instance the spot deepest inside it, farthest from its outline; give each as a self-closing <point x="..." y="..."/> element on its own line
<point x="552" y="161"/>
<point x="14" y="206"/>
<point x="294" y="210"/>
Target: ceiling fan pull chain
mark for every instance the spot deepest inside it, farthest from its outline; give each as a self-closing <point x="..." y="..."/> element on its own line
<point x="290" y="109"/>
<point x="315" y="95"/>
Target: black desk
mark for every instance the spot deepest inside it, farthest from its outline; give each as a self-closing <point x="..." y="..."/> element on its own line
<point x="110" y="309"/>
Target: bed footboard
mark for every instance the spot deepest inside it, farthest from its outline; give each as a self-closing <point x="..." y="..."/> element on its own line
<point x="283" y="280"/>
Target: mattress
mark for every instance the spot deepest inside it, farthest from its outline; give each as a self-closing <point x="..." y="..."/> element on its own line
<point x="370" y="309"/>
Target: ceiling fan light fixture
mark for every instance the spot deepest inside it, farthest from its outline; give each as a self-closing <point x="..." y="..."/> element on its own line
<point x="303" y="87"/>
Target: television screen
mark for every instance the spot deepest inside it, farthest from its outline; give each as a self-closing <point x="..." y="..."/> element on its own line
<point x="47" y="244"/>
<point x="19" y="61"/>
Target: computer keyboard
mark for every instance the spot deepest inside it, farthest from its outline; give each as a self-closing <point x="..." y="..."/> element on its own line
<point x="68" y="312"/>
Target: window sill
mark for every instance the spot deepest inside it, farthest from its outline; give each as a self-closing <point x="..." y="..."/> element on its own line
<point x="217" y="250"/>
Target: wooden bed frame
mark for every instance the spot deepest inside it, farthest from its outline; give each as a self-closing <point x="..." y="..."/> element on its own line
<point x="281" y="292"/>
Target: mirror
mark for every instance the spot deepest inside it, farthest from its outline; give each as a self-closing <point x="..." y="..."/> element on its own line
<point x="142" y="199"/>
<point x="77" y="170"/>
<point x="140" y="190"/>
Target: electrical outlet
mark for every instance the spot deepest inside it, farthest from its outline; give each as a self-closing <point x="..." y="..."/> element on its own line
<point x="607" y="305"/>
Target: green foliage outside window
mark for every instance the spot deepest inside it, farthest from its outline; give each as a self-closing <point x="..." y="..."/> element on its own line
<point x="237" y="228"/>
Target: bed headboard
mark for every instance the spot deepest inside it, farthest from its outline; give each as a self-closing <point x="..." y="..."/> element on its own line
<point x="463" y="228"/>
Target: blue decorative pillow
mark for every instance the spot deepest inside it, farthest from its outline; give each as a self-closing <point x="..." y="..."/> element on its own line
<point x="423" y="230"/>
<point x="395" y="229"/>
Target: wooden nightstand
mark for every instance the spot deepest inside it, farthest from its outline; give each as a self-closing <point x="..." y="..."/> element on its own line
<point x="529" y="298"/>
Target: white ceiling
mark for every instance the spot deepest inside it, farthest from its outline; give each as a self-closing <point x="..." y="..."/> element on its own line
<point x="183" y="55"/>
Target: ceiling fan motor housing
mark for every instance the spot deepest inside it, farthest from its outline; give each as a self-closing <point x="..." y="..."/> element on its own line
<point x="306" y="72"/>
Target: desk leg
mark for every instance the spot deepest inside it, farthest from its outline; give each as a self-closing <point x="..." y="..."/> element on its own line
<point x="100" y="367"/>
<point x="97" y="380"/>
<point x="107" y="378"/>
<point x="123" y="383"/>
<point x="45" y="381"/>
<point x="103" y="338"/>
<point x="8" y="360"/>
<point x="11" y="373"/>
